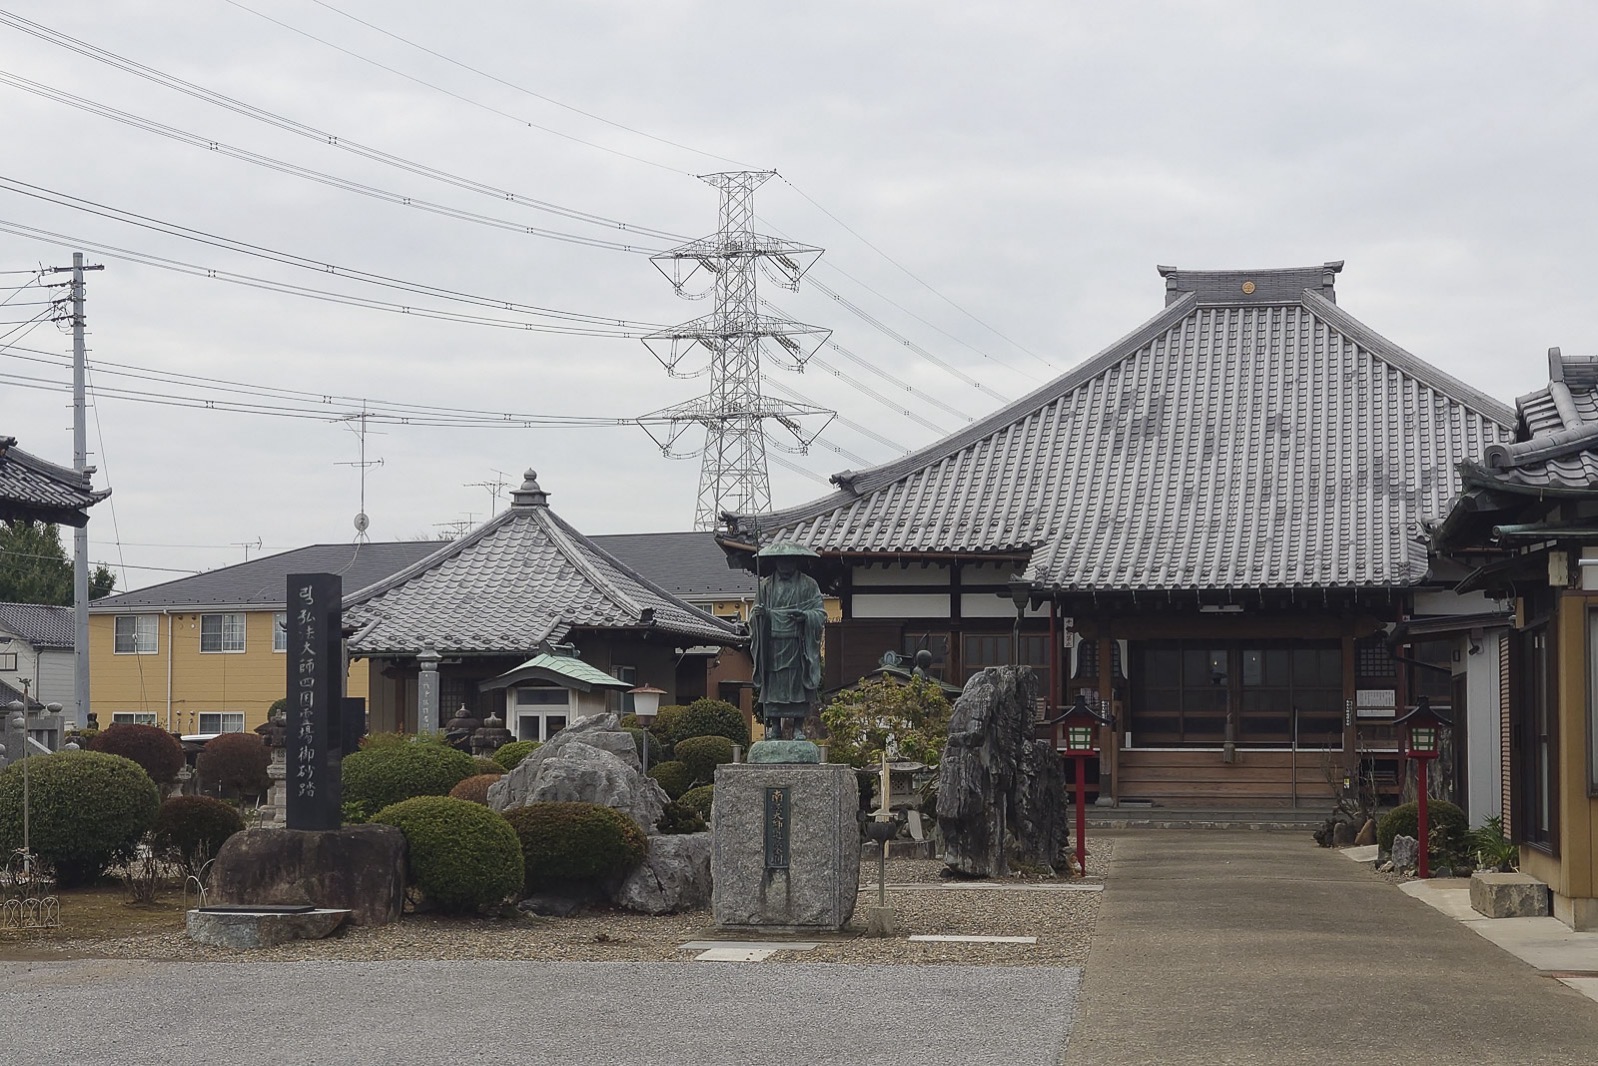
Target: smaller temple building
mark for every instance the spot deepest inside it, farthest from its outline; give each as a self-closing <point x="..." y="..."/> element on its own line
<point x="526" y="618"/>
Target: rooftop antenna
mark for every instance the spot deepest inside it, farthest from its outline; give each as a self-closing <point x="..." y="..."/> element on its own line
<point x="247" y="545"/>
<point x="495" y="488"/>
<point x="360" y="417"/>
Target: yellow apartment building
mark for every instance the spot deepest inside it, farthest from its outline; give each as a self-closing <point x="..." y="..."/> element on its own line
<point x="205" y="654"/>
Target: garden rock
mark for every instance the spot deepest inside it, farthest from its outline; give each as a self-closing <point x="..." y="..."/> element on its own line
<point x="359" y="868"/>
<point x="1508" y="895"/>
<point x="1406" y="852"/>
<point x="1342" y="835"/>
<point x="552" y="904"/>
<point x="1000" y="792"/>
<point x="1367" y="834"/>
<point x="674" y="876"/>
<point x="591" y="761"/>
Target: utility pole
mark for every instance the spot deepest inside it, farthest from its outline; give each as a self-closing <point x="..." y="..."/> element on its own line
<point x="80" y="463"/>
<point x="733" y="474"/>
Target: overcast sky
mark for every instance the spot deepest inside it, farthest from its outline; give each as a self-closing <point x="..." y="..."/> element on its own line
<point x="993" y="183"/>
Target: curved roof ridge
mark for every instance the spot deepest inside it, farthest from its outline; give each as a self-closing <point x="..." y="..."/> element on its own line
<point x="1411" y="364"/>
<point x="563" y="536"/>
<point x="864" y="481"/>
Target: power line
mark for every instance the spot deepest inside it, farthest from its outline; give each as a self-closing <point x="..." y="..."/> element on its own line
<point x="195" y="140"/>
<point x="463" y="99"/>
<point x="915" y="277"/>
<point x="301" y="129"/>
<point x="527" y="91"/>
<point x="172" y="229"/>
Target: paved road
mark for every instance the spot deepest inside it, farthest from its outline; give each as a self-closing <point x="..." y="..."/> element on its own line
<point x="1243" y="948"/>
<point x="113" y="1013"/>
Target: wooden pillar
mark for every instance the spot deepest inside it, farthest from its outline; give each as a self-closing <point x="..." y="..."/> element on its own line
<point x="1106" y="704"/>
<point x="1350" y="717"/>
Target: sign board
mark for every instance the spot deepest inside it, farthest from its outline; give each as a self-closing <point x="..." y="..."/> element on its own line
<point x="315" y="698"/>
<point x="1377" y="702"/>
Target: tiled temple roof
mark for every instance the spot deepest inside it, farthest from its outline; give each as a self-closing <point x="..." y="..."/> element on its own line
<point x="1251" y="435"/>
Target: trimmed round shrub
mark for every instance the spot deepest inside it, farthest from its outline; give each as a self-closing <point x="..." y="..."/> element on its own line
<point x="657" y="754"/>
<point x="485" y="765"/>
<point x="698" y="800"/>
<point x="702" y="755"/>
<point x="1404" y="819"/>
<point x="460" y="855"/>
<point x="664" y="723"/>
<point x="707" y="718"/>
<point x="475" y="788"/>
<point x="676" y="818"/>
<point x="154" y="749"/>
<point x="566" y="843"/>
<point x="234" y="764"/>
<point x="509" y="756"/>
<point x="190" y="830"/>
<point x="375" y="778"/>
<point x="673" y="776"/>
<point x="87" y="810"/>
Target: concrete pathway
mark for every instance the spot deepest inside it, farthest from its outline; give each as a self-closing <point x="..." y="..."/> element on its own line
<point x="1243" y="948"/>
<point x="114" y="1013"/>
<point x="1545" y="944"/>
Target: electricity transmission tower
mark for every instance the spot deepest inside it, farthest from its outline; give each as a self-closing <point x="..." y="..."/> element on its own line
<point x="733" y="475"/>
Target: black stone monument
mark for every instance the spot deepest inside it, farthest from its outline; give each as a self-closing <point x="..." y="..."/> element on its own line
<point x="315" y="701"/>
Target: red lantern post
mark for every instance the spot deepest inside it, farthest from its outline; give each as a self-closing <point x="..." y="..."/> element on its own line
<point x="1422" y="733"/>
<point x="1080" y="742"/>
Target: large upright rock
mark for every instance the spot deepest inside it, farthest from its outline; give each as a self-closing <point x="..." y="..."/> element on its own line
<point x="359" y="868"/>
<point x="999" y="790"/>
<point x="590" y="761"/>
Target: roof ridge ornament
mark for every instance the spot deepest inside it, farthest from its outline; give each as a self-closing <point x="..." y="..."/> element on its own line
<point x="529" y="495"/>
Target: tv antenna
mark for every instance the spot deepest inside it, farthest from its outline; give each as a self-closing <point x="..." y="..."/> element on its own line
<point x="356" y="423"/>
<point x="495" y="488"/>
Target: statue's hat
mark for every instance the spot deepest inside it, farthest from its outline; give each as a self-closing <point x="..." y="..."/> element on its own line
<point x="785" y="548"/>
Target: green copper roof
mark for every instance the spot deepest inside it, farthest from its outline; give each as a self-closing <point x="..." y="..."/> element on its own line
<point x="786" y="548"/>
<point x="566" y="670"/>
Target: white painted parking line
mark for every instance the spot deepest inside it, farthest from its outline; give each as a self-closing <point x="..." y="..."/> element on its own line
<point x="749" y="945"/>
<point x="977" y="939"/>
<point x="734" y="955"/>
<point x="978" y="886"/>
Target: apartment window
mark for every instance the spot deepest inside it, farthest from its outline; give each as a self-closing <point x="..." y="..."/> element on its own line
<point x="221" y="721"/>
<point x="136" y="634"/>
<point x="280" y="631"/>
<point x="8" y="660"/>
<point x="132" y="717"/>
<point x="221" y="632"/>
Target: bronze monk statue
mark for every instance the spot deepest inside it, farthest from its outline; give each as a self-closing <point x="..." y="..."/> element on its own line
<point x="785" y="630"/>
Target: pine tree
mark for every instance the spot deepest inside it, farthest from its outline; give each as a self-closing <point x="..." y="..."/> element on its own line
<point x="34" y="568"/>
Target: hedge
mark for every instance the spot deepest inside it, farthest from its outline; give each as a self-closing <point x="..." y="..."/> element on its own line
<point x="87" y="810"/>
<point x="567" y="843"/>
<point x="155" y="750"/>
<point x="375" y="778"/>
<point x="460" y="855"/>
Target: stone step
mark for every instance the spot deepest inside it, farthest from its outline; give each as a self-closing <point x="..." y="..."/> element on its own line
<point x="1257" y="818"/>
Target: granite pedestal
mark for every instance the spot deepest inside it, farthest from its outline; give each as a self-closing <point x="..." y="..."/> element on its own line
<point x="786" y="852"/>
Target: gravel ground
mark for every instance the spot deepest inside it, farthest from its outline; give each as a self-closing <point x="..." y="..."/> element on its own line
<point x="1061" y="920"/>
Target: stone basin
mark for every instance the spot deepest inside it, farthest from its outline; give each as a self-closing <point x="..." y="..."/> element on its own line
<point x="243" y="929"/>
